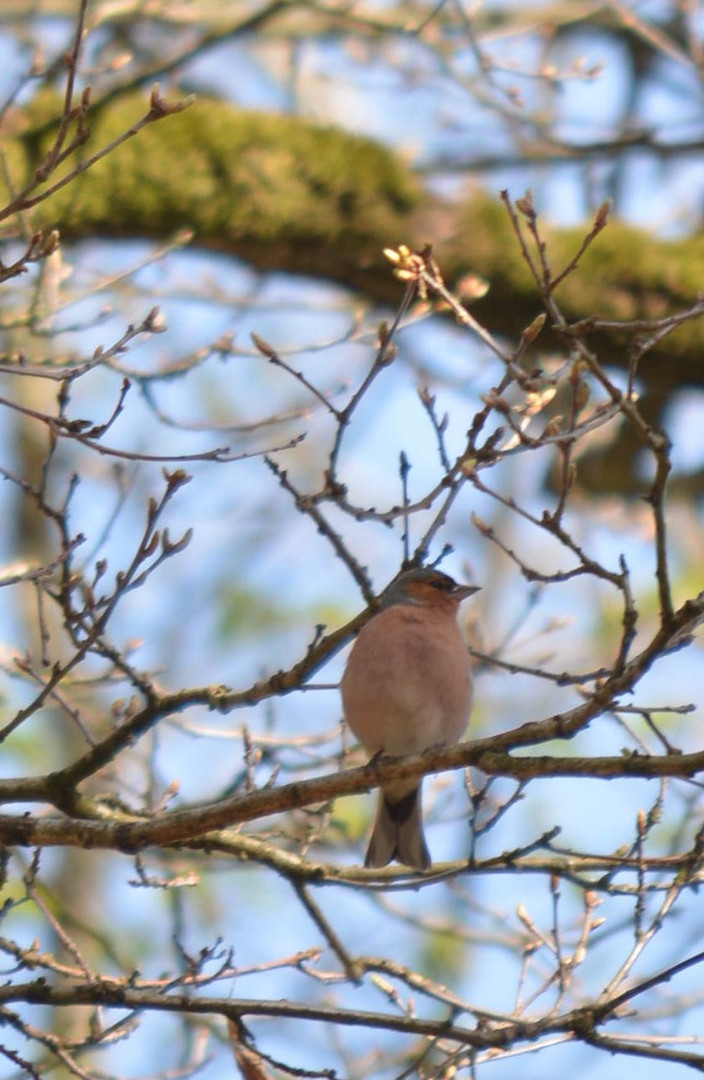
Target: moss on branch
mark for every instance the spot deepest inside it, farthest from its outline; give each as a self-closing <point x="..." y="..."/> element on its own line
<point x="286" y="194"/>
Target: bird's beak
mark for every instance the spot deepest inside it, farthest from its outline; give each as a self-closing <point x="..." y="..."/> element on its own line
<point x="461" y="592"/>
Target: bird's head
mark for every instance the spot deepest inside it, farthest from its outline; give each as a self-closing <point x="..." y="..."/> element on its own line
<point x="427" y="588"/>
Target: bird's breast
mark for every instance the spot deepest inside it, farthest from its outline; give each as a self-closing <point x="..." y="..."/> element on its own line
<point x="407" y="684"/>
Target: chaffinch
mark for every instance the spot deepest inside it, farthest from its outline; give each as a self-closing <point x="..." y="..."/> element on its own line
<point x="407" y="687"/>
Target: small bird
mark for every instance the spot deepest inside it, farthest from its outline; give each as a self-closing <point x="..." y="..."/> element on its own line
<point x="407" y="687"/>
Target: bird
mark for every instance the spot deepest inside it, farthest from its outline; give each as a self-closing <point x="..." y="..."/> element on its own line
<point x="407" y="687"/>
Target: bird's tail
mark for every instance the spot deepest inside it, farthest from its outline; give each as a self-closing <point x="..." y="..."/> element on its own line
<point x="398" y="833"/>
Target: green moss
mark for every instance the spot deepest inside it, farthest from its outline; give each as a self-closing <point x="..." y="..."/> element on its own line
<point x="227" y="173"/>
<point x="289" y="195"/>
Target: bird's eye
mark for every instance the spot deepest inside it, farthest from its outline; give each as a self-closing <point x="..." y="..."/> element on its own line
<point x="442" y="582"/>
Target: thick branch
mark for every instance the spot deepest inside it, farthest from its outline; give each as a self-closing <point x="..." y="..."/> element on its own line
<point x="182" y="825"/>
